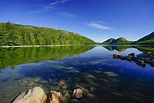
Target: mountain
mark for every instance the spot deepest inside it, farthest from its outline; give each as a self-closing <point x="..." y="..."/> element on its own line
<point x="16" y="34"/>
<point x="119" y="41"/>
<point x="147" y="40"/>
<point x="109" y="41"/>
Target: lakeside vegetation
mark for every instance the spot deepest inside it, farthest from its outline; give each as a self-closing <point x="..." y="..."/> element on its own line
<point x="16" y="34"/>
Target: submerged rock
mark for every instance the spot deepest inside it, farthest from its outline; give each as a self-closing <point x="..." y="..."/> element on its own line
<point x="110" y="74"/>
<point x="35" y="95"/>
<point x="64" y="87"/>
<point x="61" y="83"/>
<point x="36" y="79"/>
<point x="66" y="96"/>
<point x="78" y="93"/>
<point x="92" y="89"/>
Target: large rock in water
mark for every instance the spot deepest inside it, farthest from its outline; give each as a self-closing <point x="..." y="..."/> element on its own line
<point x="35" y="95"/>
<point x="54" y="97"/>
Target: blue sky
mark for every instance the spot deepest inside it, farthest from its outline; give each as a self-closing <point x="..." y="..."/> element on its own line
<point x="95" y="19"/>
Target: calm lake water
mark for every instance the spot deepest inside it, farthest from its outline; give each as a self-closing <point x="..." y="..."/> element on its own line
<point x="104" y="79"/>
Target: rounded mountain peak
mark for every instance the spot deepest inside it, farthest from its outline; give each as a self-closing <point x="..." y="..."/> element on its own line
<point x="121" y="38"/>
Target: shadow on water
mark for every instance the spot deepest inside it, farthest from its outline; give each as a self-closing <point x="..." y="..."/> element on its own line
<point x="15" y="56"/>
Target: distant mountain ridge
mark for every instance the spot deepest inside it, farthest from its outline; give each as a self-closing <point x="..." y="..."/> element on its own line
<point x="146" y="40"/>
<point x="118" y="41"/>
<point x="109" y="41"/>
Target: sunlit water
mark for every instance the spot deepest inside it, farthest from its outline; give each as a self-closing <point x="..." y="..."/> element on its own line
<point x="104" y="79"/>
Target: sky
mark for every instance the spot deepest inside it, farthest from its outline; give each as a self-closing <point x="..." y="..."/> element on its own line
<point x="95" y="19"/>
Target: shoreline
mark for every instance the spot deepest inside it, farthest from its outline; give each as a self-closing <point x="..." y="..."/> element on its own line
<point x="20" y="46"/>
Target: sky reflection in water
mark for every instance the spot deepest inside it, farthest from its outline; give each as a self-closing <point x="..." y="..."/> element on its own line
<point x="104" y="79"/>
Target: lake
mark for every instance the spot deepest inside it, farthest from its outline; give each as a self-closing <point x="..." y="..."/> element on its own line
<point x="104" y="79"/>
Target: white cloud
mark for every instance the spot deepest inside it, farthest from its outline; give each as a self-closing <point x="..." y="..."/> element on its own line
<point x="98" y="25"/>
<point x="53" y="5"/>
<point x="50" y="6"/>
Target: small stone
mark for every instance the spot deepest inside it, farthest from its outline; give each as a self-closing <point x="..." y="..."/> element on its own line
<point x="78" y="93"/>
<point x="37" y="80"/>
<point x="50" y="80"/>
<point x="66" y="96"/>
<point x="116" y="56"/>
<point x="61" y="83"/>
<point x="44" y="81"/>
<point x="30" y="84"/>
<point x="64" y="87"/>
<point x="141" y="62"/>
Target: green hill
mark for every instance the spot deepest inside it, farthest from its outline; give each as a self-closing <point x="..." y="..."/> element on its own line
<point x="109" y="41"/>
<point x="16" y="34"/>
<point x="119" y="41"/>
<point x="147" y="40"/>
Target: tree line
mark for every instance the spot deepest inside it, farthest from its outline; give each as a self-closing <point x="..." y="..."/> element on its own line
<point x="16" y="34"/>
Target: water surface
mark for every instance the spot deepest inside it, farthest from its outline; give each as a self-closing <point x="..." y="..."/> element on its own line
<point x="104" y="79"/>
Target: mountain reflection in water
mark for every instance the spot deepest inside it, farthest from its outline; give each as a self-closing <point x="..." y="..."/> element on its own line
<point x="103" y="79"/>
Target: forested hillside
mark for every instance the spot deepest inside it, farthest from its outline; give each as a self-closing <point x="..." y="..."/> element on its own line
<point x="109" y="41"/>
<point x="147" y="40"/>
<point x="16" y="34"/>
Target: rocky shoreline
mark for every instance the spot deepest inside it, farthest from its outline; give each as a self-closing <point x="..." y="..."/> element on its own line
<point x="37" y="95"/>
<point x="140" y="59"/>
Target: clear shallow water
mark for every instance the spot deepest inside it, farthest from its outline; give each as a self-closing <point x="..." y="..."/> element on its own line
<point x="104" y="79"/>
